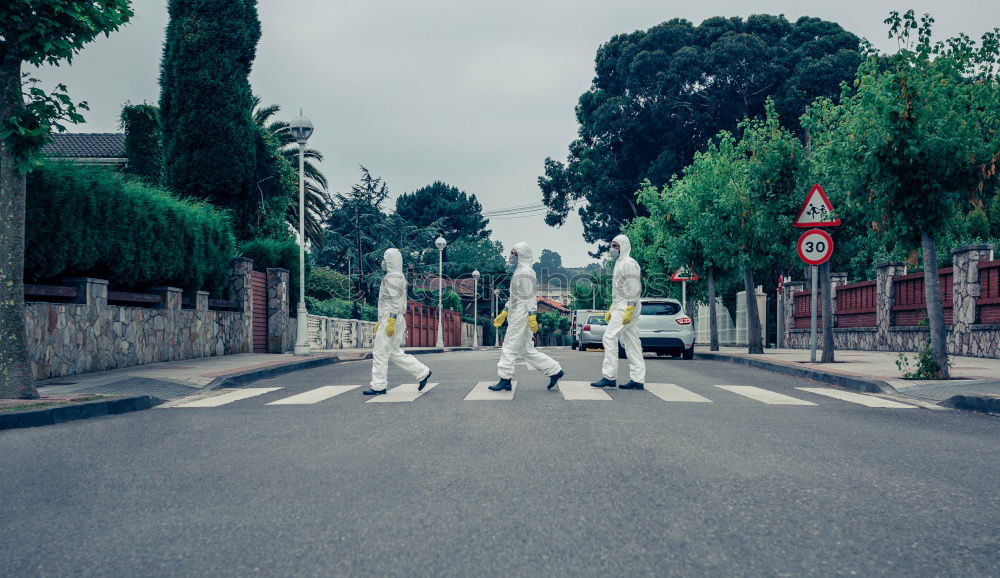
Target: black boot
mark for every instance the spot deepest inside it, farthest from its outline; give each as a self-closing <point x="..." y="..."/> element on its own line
<point x="604" y="382"/>
<point x="423" y="382"/>
<point x="632" y="385"/>
<point x="371" y="391"/>
<point x="554" y="379"/>
<point x="502" y="385"/>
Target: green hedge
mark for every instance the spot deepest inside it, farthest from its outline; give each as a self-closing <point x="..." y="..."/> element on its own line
<point x="88" y="221"/>
<point x="277" y="254"/>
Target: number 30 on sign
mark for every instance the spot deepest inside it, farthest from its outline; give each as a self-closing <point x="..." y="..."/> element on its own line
<point x="815" y="246"/>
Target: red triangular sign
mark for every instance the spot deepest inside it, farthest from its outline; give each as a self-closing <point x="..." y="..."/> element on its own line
<point x="816" y="211"/>
<point x="684" y="274"/>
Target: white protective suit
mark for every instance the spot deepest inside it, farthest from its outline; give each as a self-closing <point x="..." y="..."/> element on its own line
<point x="626" y="288"/>
<point x="392" y="301"/>
<point x="520" y="305"/>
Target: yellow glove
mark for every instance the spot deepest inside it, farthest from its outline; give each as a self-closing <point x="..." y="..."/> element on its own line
<point x="628" y="314"/>
<point x="607" y="316"/>
<point x="500" y="319"/>
<point x="390" y="327"/>
<point x="377" y="323"/>
<point x="533" y="323"/>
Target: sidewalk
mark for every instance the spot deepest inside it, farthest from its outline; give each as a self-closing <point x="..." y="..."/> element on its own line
<point x="145" y="386"/>
<point x="975" y="383"/>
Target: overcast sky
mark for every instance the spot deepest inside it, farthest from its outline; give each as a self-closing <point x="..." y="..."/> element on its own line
<point x="469" y="92"/>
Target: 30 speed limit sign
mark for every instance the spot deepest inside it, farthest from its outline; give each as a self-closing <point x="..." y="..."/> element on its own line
<point x="815" y="246"/>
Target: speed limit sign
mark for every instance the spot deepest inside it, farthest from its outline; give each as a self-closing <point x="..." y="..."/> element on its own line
<point x="815" y="246"/>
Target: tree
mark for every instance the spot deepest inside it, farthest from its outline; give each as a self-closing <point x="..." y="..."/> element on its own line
<point x="209" y="139"/>
<point x="549" y="264"/>
<point x="143" y="142"/>
<point x="27" y="116"/>
<point x="468" y="254"/>
<point x="659" y="95"/>
<point x="928" y="126"/>
<point x="454" y="213"/>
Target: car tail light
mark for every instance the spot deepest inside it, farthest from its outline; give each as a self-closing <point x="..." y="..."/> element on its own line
<point x="684" y="321"/>
<point x="586" y="327"/>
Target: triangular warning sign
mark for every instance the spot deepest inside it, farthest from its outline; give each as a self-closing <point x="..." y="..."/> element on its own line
<point x="684" y="273"/>
<point x="816" y="211"/>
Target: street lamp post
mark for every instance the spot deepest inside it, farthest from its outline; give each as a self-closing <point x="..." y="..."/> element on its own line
<point x="440" y="243"/>
<point x="475" y="308"/>
<point x="496" y="308"/>
<point x="301" y="129"/>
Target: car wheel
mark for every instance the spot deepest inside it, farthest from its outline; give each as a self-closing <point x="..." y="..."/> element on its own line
<point x="689" y="352"/>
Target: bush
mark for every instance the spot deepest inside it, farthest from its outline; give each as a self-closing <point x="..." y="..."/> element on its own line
<point x="90" y="222"/>
<point x="277" y="254"/>
<point x="325" y="283"/>
<point x="341" y="309"/>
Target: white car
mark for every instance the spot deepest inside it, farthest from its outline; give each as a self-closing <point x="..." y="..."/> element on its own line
<point x="664" y="328"/>
<point x="577" y="320"/>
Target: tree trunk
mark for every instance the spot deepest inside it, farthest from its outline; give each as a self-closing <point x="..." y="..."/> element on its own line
<point x="713" y="320"/>
<point x="826" y="294"/>
<point x="15" y="370"/>
<point x="935" y="310"/>
<point x="753" y="316"/>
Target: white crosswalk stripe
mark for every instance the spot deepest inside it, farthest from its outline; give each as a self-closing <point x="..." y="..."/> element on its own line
<point x="223" y="399"/>
<point x="763" y="395"/>
<point x="482" y="392"/>
<point x="865" y="400"/>
<point x="673" y="392"/>
<point x="315" y="396"/>
<point x="402" y="393"/>
<point x="581" y="390"/>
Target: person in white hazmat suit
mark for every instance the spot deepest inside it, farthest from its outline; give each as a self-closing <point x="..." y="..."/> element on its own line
<point x="391" y="328"/>
<point x="520" y="315"/>
<point x="623" y="319"/>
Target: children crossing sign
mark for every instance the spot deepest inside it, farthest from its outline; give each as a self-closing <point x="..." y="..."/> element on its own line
<point x="816" y="211"/>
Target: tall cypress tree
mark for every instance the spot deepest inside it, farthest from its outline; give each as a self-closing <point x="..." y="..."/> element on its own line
<point x="209" y="138"/>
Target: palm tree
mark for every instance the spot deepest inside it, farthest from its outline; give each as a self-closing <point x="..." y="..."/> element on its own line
<point x="317" y="196"/>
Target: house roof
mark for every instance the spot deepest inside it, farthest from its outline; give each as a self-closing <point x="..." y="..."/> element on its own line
<point x="86" y="145"/>
<point x="554" y="304"/>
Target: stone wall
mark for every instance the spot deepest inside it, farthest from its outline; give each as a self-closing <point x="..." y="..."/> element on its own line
<point x="333" y="333"/>
<point x="965" y="337"/>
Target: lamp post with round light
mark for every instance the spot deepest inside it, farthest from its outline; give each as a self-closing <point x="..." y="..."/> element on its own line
<point x="440" y="243"/>
<point x="475" y="308"/>
<point x="301" y="129"/>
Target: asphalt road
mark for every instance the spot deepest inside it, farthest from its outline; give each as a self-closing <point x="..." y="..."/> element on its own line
<point x="536" y="486"/>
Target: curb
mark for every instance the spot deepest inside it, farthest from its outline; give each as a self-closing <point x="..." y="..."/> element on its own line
<point x="981" y="403"/>
<point x="245" y="377"/>
<point x="54" y="415"/>
<point x="847" y="381"/>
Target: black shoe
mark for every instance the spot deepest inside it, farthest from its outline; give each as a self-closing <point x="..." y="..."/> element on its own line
<point x="371" y="391"/>
<point x="423" y="382"/>
<point x="502" y="385"/>
<point x="604" y="382"/>
<point x="554" y="379"/>
<point x="632" y="385"/>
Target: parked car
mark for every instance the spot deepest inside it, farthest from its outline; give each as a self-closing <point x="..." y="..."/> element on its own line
<point x="577" y="320"/>
<point x="592" y="331"/>
<point x="664" y="329"/>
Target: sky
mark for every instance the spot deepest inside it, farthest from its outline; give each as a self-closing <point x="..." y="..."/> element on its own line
<point x="473" y="93"/>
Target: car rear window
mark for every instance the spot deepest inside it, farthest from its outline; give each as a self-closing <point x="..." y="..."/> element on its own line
<point x="596" y="320"/>
<point x="661" y="308"/>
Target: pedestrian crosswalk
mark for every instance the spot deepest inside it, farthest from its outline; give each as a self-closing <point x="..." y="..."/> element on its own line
<point x="568" y="390"/>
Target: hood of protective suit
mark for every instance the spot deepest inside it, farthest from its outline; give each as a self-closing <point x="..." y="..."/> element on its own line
<point x="393" y="260"/>
<point x="625" y="246"/>
<point x="524" y="254"/>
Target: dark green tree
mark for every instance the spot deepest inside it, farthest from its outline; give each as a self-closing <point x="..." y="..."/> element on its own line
<point x="209" y="138"/>
<point x="143" y="142"/>
<point x="549" y="264"/>
<point x="453" y="212"/>
<point x="659" y="95"/>
<point x="27" y="116"/>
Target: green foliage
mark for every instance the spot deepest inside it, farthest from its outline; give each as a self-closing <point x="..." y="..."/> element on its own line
<point x="451" y="300"/>
<point x="448" y="210"/>
<point x="325" y="283"/>
<point x="27" y="117"/>
<point x="659" y="95"/>
<point x="143" y="142"/>
<point x="466" y="255"/>
<point x="926" y="367"/>
<point x="88" y="221"/>
<point x="209" y="138"/>
<point x="277" y="254"/>
<point x="583" y="292"/>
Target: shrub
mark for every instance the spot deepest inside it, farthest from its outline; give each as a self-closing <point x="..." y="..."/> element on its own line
<point x="89" y="221"/>
<point x="325" y="283"/>
<point x="277" y="254"/>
